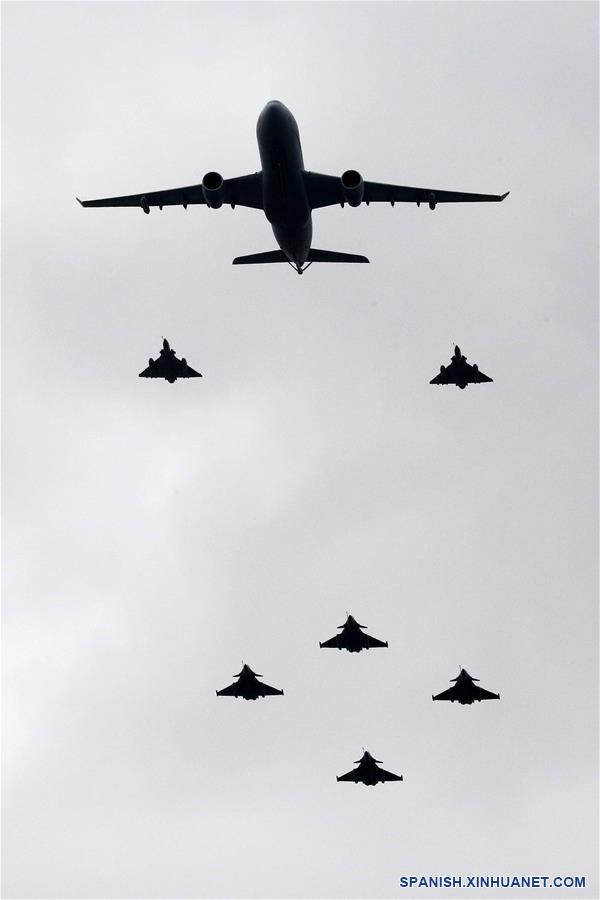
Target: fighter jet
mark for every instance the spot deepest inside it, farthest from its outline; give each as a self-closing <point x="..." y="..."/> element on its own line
<point x="459" y="372"/>
<point x="168" y="366"/>
<point x="288" y="194"/>
<point x="465" y="691"/>
<point x="248" y="686"/>
<point x="352" y="638"/>
<point x="369" y="772"/>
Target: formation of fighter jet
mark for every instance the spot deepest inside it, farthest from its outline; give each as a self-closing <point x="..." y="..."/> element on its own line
<point x="248" y="686"/>
<point x="465" y="690"/>
<point x="369" y="772"/>
<point x="459" y="372"/>
<point x="288" y="194"/>
<point x="352" y="638"/>
<point x="168" y="366"/>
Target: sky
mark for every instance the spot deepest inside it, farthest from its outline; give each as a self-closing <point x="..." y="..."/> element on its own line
<point x="155" y="536"/>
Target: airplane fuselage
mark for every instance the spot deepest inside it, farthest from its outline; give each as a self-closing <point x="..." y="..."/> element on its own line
<point x="285" y="201"/>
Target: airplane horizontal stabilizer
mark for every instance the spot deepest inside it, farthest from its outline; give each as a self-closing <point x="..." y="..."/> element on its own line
<point x="271" y="256"/>
<point x="331" y="256"/>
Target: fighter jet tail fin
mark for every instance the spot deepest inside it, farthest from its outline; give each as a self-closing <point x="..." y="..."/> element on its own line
<point x="332" y="256"/>
<point x="271" y="256"/>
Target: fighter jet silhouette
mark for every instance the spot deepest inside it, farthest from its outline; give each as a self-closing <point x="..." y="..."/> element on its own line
<point x="459" y="372"/>
<point x="248" y="686"/>
<point x="352" y="638"/>
<point x="465" y="691"/>
<point x="168" y="366"/>
<point x="369" y="772"/>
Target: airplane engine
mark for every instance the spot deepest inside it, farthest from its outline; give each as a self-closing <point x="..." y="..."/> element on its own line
<point x="353" y="187"/>
<point x="212" y="189"/>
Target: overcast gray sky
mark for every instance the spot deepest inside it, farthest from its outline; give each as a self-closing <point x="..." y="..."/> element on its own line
<point x="157" y="535"/>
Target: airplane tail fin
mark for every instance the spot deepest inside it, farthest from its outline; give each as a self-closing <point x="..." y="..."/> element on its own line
<point x="332" y="256"/>
<point x="278" y="256"/>
<point x="271" y="256"/>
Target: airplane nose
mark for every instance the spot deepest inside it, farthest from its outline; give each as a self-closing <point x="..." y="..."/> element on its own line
<point x="272" y="116"/>
<point x="274" y="106"/>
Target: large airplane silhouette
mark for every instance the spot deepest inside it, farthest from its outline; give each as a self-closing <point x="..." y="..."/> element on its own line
<point x="287" y="194"/>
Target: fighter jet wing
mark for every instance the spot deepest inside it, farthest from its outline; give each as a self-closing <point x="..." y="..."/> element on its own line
<point x="326" y="190"/>
<point x="332" y="642"/>
<point x="158" y="369"/>
<point x="349" y="776"/>
<point x="182" y="370"/>
<point x="388" y="776"/>
<point x="267" y="690"/>
<point x="475" y="375"/>
<point x="375" y="642"/>
<point x="450" y="694"/>
<point x="243" y="191"/>
<point x="165" y="367"/>
<point x="229" y="691"/>
<point x="487" y="695"/>
<point x="447" y="376"/>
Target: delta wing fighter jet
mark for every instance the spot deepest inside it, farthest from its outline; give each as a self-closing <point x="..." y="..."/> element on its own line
<point x="288" y="194"/>
<point x="369" y="772"/>
<point x="248" y="686"/>
<point x="352" y="638"/>
<point x="459" y="372"/>
<point x="465" y="690"/>
<point x="168" y="366"/>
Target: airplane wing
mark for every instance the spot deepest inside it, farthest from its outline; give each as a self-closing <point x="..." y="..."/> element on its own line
<point x="332" y="642"/>
<point x="243" y="191"/>
<point x="450" y="694"/>
<point x="267" y="690"/>
<point x="475" y="375"/>
<point x="182" y="370"/>
<point x="326" y="190"/>
<point x="388" y="776"/>
<point x="229" y="691"/>
<point x="158" y="369"/>
<point x="446" y="377"/>
<point x="375" y="642"/>
<point x="487" y="695"/>
<point x="349" y="776"/>
<point x="169" y="367"/>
